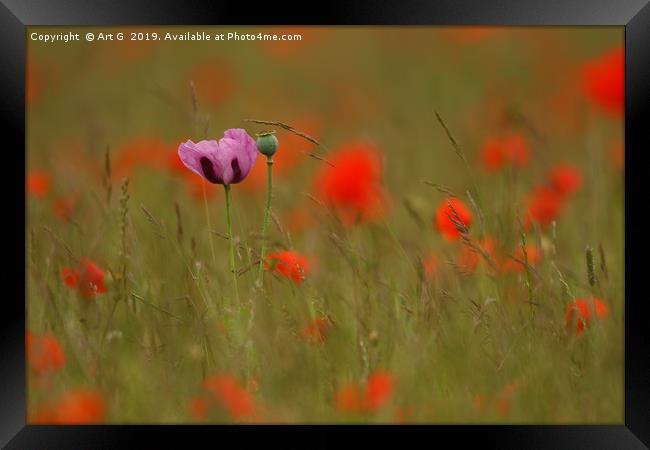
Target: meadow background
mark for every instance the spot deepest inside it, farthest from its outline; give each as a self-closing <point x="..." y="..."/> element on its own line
<point x="388" y="319"/>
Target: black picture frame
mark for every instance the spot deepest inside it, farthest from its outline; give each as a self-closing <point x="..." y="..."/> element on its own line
<point x="634" y="15"/>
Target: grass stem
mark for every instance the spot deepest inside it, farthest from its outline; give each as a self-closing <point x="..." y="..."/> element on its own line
<point x="267" y="215"/>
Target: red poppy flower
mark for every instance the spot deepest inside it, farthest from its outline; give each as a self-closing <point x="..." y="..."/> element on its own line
<point x="532" y="253"/>
<point x="578" y="314"/>
<point x="468" y="259"/>
<point x="445" y="213"/>
<point x="44" y="354"/>
<point x="199" y="407"/>
<point x="38" y="183"/>
<point x="91" y="279"/>
<point x="544" y="206"/>
<point x="377" y="393"/>
<point x="81" y="406"/>
<point x="603" y="81"/>
<point x="236" y="400"/>
<point x="379" y="390"/>
<point x="503" y="405"/>
<point x="353" y="186"/>
<point x="70" y="276"/>
<point x="316" y="331"/>
<point x="492" y="155"/>
<point x="175" y="164"/>
<point x="289" y="264"/>
<point x="505" y="397"/>
<point x="348" y="398"/>
<point x="509" y="149"/>
<point x="88" y="278"/>
<point x="565" y="179"/>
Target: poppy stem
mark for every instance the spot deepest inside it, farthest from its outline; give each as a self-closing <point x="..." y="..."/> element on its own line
<point x="207" y="216"/>
<point x="232" y="243"/>
<point x="267" y="215"/>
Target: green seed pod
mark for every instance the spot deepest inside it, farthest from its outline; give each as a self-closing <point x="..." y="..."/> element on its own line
<point x="267" y="143"/>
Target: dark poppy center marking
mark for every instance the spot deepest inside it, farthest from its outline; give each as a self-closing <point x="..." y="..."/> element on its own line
<point x="236" y="171"/>
<point x="208" y="171"/>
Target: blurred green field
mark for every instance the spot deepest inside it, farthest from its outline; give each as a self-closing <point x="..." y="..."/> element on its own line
<point x="477" y="347"/>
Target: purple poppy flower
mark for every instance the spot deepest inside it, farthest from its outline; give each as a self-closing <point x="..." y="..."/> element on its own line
<point x="225" y="162"/>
